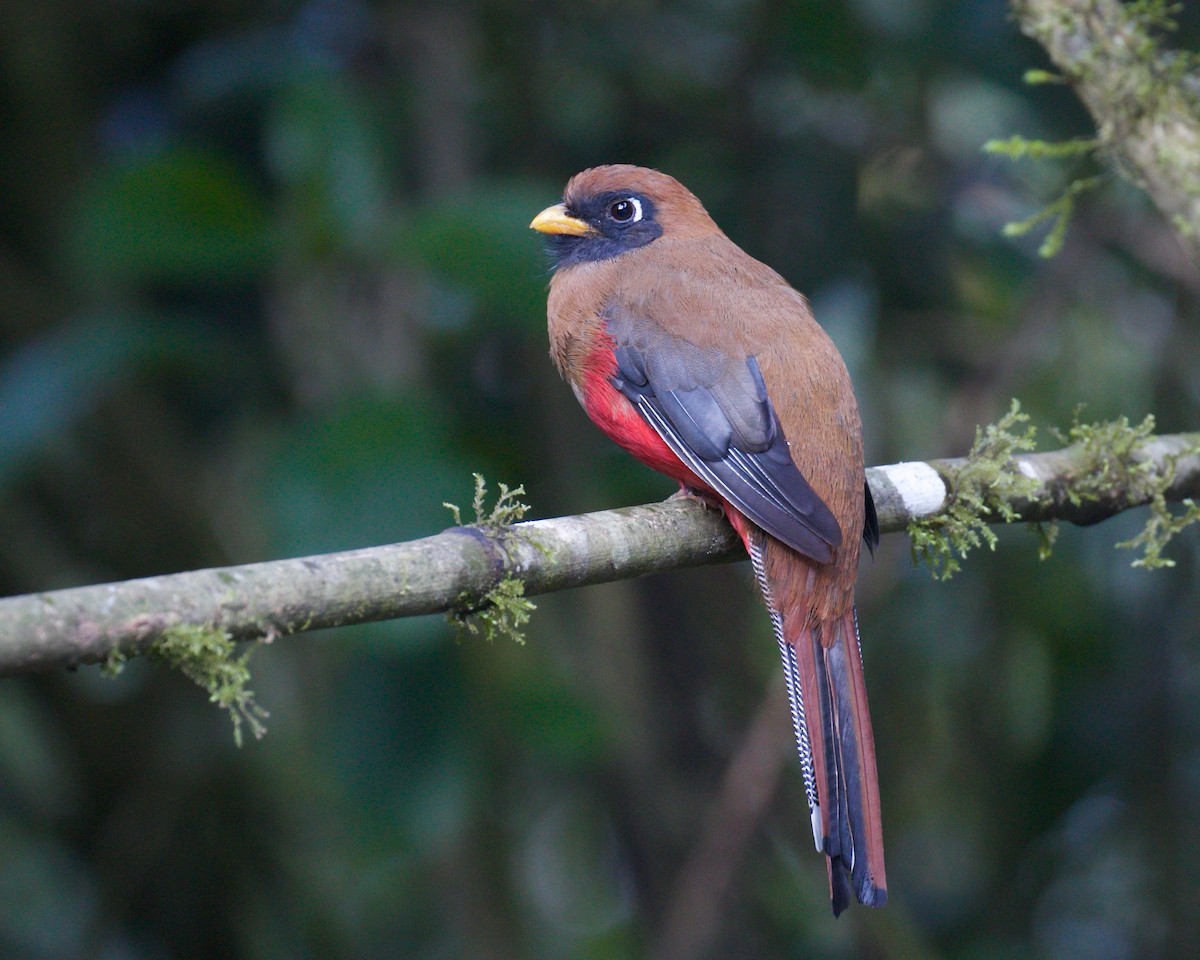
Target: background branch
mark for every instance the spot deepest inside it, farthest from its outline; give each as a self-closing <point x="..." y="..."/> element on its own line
<point x="1142" y="98"/>
<point x="456" y="569"/>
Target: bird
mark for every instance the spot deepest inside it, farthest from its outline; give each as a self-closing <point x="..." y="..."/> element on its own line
<point x="707" y="366"/>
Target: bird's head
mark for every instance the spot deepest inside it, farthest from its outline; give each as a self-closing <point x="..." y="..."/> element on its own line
<point x="610" y="210"/>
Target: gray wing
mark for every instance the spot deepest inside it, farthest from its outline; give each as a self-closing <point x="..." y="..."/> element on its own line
<point x="713" y="411"/>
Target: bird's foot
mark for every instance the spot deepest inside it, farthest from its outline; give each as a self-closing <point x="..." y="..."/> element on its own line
<point x="705" y="498"/>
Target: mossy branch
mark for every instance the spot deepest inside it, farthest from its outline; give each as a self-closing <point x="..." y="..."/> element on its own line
<point x="1142" y="97"/>
<point x="980" y="489"/>
<point x="1104" y="470"/>
<point x="504" y="610"/>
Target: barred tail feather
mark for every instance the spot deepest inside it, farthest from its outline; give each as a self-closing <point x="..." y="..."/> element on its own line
<point x="791" y="675"/>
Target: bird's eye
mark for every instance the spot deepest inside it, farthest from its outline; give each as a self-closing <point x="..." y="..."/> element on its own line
<point x="627" y="210"/>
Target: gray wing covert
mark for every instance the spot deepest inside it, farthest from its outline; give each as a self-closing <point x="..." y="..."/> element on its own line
<point x="713" y="411"/>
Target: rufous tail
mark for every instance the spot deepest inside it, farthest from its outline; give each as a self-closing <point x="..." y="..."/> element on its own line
<point x="822" y="664"/>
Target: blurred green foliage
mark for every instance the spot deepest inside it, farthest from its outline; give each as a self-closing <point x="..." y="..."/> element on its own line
<point x="179" y="214"/>
<point x="269" y="291"/>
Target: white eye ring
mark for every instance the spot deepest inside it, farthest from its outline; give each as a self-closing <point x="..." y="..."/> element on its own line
<point x="633" y="202"/>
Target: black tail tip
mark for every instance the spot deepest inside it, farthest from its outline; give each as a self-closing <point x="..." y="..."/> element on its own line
<point x="844" y="890"/>
<point x="870" y="895"/>
<point x="840" y="893"/>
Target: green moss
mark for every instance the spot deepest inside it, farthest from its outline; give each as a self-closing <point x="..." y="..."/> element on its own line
<point x="1038" y="77"/>
<point x="1047" y="536"/>
<point x="1109" y="462"/>
<point x="1017" y="148"/>
<point x="207" y="657"/>
<point x="504" y="610"/>
<point x="1160" y="529"/>
<point x="507" y="509"/>
<point x="114" y="663"/>
<point x="1127" y="67"/>
<point x="977" y="490"/>
<point x="1113" y="465"/>
<point x="1060" y="211"/>
<point x="1154" y="14"/>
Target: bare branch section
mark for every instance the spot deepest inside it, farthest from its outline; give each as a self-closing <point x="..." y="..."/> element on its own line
<point x="449" y="571"/>
<point x="1143" y="98"/>
<point x="455" y="569"/>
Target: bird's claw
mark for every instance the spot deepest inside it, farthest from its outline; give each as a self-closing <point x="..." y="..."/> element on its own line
<point x="707" y="500"/>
